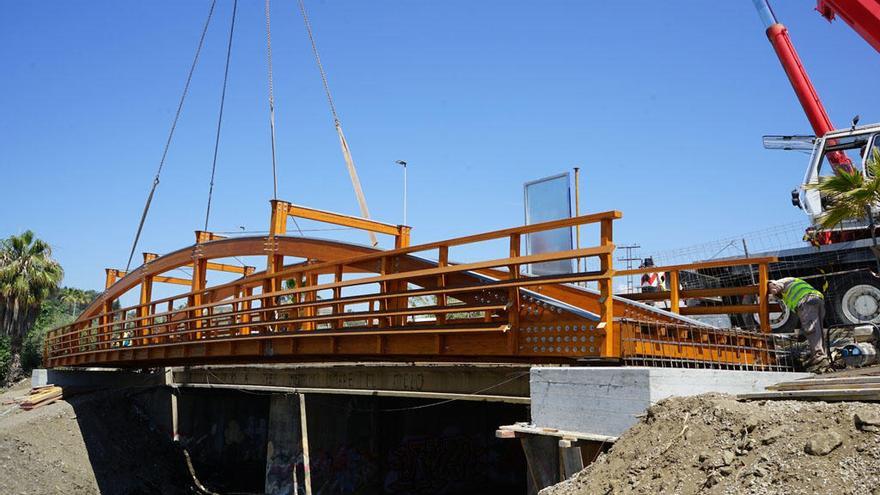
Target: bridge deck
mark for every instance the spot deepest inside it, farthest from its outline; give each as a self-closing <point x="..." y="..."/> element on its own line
<point x="345" y="302"/>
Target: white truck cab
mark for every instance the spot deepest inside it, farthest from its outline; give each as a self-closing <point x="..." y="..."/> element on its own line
<point x="856" y="145"/>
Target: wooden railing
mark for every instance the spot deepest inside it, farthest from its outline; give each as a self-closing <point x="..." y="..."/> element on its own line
<point x="674" y="294"/>
<point x="379" y="303"/>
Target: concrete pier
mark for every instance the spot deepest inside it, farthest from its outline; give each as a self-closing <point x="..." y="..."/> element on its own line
<point x="607" y="400"/>
<point x="283" y="448"/>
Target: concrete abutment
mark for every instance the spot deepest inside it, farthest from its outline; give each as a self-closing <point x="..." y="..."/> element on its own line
<point x="400" y="428"/>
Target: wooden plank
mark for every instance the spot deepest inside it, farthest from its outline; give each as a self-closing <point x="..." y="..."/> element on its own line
<point x="524" y="429"/>
<point x="851" y="394"/>
<point x="828" y="386"/>
<point x="819" y="383"/>
<point x="340" y="219"/>
<point x="693" y="293"/>
<point x="720" y="310"/>
<point x="470" y="329"/>
<point x="41" y="397"/>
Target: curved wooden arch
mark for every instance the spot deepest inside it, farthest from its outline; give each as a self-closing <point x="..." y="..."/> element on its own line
<point x="299" y="247"/>
<point x="312" y="249"/>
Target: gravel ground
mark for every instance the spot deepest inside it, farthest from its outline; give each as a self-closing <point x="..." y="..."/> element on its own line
<point x="715" y="444"/>
<point x="89" y="444"/>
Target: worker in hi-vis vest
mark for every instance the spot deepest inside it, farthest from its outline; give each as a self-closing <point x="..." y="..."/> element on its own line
<point x="801" y="298"/>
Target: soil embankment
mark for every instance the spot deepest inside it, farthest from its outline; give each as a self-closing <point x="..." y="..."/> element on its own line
<point x="86" y="444"/>
<point x="718" y="445"/>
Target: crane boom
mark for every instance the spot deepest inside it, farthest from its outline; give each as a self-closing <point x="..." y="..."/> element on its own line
<point x="800" y="81"/>
<point x="863" y="16"/>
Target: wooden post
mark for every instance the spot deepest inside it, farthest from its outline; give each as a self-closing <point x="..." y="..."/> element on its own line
<point x="274" y="261"/>
<point x="401" y="240"/>
<point x="442" y="261"/>
<point x="673" y="291"/>
<point x="199" y="280"/>
<point x="246" y="306"/>
<point x="144" y="308"/>
<point x="513" y="300"/>
<point x="606" y="297"/>
<point x="106" y="316"/>
<point x="763" y="297"/>
<point x="107" y="322"/>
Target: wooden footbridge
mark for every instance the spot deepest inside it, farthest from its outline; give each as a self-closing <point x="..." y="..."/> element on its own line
<point x="325" y="300"/>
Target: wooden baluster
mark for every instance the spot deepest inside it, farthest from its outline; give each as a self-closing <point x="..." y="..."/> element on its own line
<point x="310" y="296"/>
<point x="442" y="261"/>
<point x="763" y="297"/>
<point x="236" y="309"/>
<point x="385" y="304"/>
<point x="338" y="309"/>
<point x="673" y="291"/>
<point x="513" y="296"/>
<point x="107" y="322"/>
<point x="169" y="327"/>
<point x="246" y="307"/>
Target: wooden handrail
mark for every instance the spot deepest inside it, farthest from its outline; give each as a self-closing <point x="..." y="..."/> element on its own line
<point x="675" y="293"/>
<point x="295" y="310"/>
<point x="331" y="265"/>
<point x="698" y="265"/>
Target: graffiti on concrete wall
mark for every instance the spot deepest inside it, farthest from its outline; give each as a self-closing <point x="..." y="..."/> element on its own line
<point x="346" y="470"/>
<point x="449" y="462"/>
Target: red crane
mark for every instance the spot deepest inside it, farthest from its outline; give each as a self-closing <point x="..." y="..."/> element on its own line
<point x="800" y="81"/>
<point x="863" y="16"/>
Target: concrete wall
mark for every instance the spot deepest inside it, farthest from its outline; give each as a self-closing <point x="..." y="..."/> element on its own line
<point x="606" y="400"/>
<point x="95" y="378"/>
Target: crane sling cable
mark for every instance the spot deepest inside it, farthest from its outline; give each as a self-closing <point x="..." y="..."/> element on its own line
<point x="189" y="76"/>
<point x="220" y="115"/>
<point x="272" y="108"/>
<point x="346" y="152"/>
<point x="271" y="100"/>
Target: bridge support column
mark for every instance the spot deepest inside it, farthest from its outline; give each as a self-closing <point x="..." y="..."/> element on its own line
<point x="199" y="281"/>
<point x="287" y="446"/>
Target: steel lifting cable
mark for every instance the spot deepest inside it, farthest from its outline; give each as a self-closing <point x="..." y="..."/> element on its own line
<point x="346" y="152"/>
<point x="220" y="116"/>
<point x="271" y="100"/>
<point x="189" y="76"/>
<point x="272" y="109"/>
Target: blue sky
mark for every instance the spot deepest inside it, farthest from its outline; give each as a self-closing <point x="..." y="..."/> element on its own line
<point x="662" y="107"/>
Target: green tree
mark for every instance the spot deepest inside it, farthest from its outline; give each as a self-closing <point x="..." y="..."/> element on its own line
<point x="73" y="298"/>
<point x="28" y="276"/>
<point x="851" y="194"/>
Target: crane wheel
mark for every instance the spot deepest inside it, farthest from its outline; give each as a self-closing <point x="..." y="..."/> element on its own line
<point x="855" y="299"/>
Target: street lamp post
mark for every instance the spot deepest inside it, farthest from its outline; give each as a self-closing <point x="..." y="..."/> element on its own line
<point x="402" y="163"/>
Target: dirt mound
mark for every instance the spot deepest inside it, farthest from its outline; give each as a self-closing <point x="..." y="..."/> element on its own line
<point x="715" y="444"/>
<point x="88" y="444"/>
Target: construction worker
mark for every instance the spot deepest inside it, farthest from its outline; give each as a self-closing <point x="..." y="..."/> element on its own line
<point x="809" y="304"/>
<point x="652" y="282"/>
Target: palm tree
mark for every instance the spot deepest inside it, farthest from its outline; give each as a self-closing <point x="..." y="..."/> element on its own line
<point x="73" y="298"/>
<point x="28" y="275"/>
<point x="851" y="194"/>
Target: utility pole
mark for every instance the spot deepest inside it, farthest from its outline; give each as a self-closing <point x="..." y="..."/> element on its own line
<point x="402" y="163"/>
<point x="628" y="259"/>
<point x="577" y="211"/>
